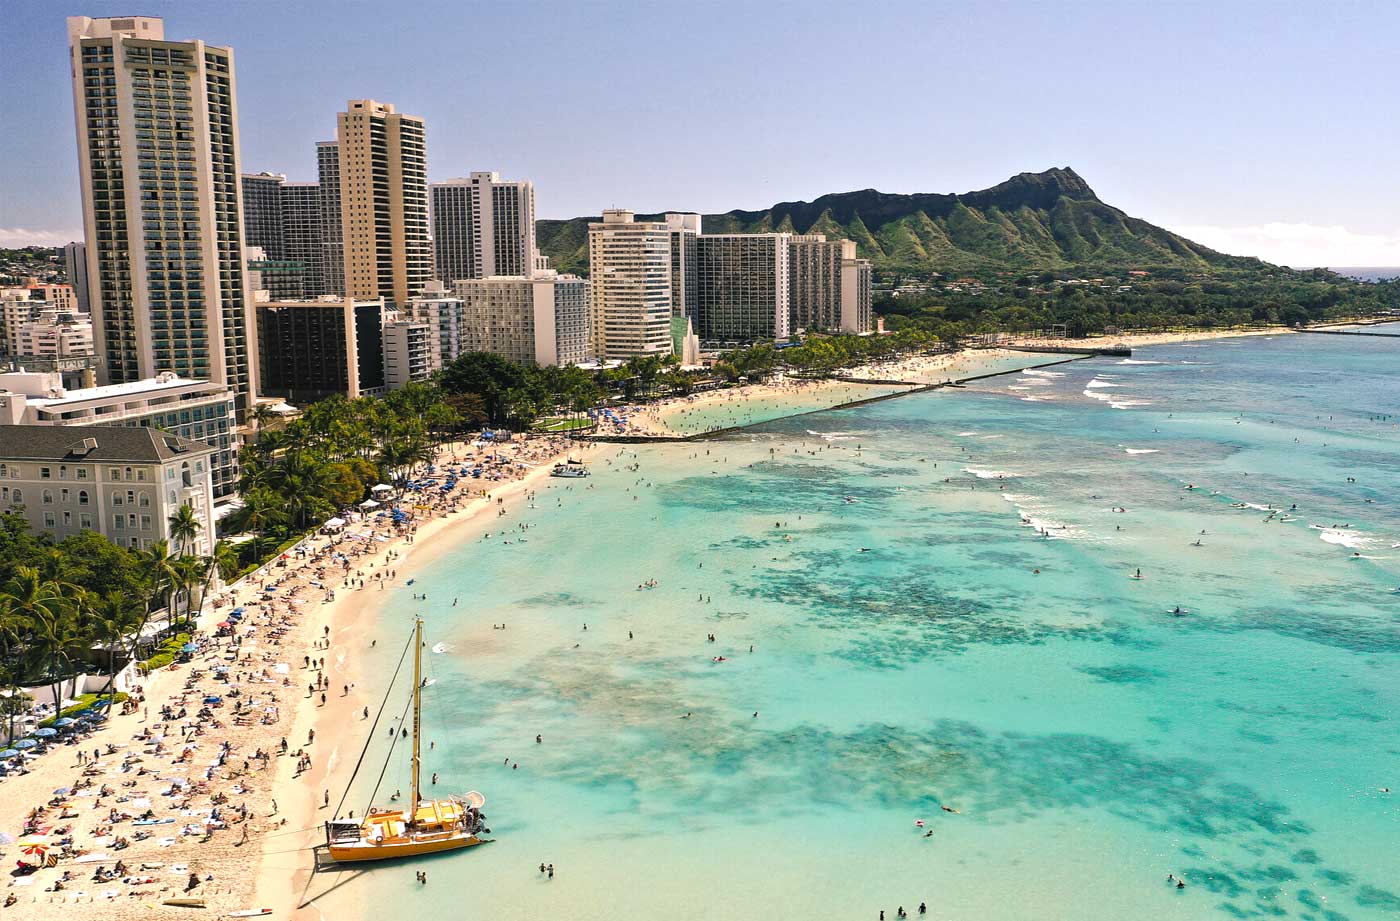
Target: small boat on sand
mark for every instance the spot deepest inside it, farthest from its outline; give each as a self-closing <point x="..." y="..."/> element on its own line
<point x="570" y="471"/>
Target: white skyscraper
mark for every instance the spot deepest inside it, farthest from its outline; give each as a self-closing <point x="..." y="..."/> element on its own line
<point x="157" y="126"/>
<point x="630" y="266"/>
<point x="483" y="226"/>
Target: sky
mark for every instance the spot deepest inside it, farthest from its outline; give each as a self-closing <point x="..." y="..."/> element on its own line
<point x="1265" y="129"/>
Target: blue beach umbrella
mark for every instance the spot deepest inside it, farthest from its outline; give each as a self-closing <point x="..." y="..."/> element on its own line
<point x="45" y="733"/>
<point x="101" y="704"/>
<point x="8" y="753"/>
<point x="64" y="721"/>
<point x="189" y="647"/>
<point x="24" y="744"/>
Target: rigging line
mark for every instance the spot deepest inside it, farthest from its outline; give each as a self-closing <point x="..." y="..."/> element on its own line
<point x="370" y="736"/>
<point x="380" y="779"/>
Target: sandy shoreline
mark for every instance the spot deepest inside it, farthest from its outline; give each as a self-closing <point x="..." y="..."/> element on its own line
<point x="285" y="882"/>
<point x="667" y="417"/>
<point x="249" y="846"/>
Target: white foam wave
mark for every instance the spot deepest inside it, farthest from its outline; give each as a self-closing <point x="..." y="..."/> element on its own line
<point x="440" y="648"/>
<point x="1098" y="396"/>
<point x="1352" y="540"/>
<point x="966" y="434"/>
<point x="1134" y="361"/>
<point x="1129" y="404"/>
<point x="990" y="474"/>
<point x="1034" y="518"/>
<point x="1036" y="372"/>
<point x="1100" y="382"/>
<point x="1140" y="450"/>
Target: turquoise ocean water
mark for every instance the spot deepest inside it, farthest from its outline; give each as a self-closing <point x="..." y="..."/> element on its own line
<point x="882" y="563"/>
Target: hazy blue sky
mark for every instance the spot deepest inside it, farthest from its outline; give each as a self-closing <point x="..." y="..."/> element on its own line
<point x="1267" y="129"/>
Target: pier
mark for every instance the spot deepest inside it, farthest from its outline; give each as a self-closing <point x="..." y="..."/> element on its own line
<point x="1349" y="332"/>
<point x="914" y="387"/>
<point x="1119" y="350"/>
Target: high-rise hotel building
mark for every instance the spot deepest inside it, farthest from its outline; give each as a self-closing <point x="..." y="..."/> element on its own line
<point x="383" y="202"/>
<point x="630" y="268"/>
<point x="332" y="246"/>
<point x="483" y="227"/>
<point x="284" y="219"/>
<point x="157" y="125"/>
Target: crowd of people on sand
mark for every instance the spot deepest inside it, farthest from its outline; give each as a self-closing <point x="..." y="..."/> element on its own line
<point x="161" y="799"/>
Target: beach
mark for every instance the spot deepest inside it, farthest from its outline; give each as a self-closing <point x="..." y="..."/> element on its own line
<point x="217" y="758"/>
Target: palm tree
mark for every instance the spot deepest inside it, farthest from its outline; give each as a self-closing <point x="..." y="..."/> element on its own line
<point x="112" y="617"/>
<point x="184" y="527"/>
<point x="161" y="578"/>
<point x="189" y="572"/>
<point x="223" y="562"/>
<point x="56" y="640"/>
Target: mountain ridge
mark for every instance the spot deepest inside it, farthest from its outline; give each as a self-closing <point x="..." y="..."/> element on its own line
<point x="1047" y="220"/>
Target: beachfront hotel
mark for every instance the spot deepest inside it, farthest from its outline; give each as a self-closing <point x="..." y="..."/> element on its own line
<point x="483" y="226"/>
<point x="829" y="286"/>
<point x="630" y="266"/>
<point x="541" y="319"/>
<point x="383" y="167"/>
<point x="741" y="287"/>
<point x="124" y="483"/>
<point x="199" y="410"/>
<point x="312" y="349"/>
<point x="157" y="128"/>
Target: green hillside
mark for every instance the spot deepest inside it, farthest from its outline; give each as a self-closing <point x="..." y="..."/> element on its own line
<point x="1048" y="220"/>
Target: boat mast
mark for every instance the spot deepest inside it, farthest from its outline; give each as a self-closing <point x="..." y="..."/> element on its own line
<point x="417" y="714"/>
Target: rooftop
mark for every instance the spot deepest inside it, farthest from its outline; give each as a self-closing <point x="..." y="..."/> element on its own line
<point x="96" y="444"/>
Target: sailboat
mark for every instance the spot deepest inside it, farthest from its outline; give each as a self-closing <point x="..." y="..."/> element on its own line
<point x="425" y="826"/>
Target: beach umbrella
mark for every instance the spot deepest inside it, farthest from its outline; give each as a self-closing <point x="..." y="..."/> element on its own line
<point x="25" y="744"/>
<point x="64" y="721"/>
<point x="35" y="846"/>
<point x="62" y="791"/>
<point x="46" y="733"/>
<point x="8" y="753"/>
<point x="101" y="704"/>
<point x="189" y="647"/>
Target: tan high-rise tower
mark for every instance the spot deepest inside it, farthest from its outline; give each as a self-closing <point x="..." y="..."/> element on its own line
<point x="157" y="125"/>
<point x="383" y="202"/>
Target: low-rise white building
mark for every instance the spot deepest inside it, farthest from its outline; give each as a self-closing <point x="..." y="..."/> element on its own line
<point x="55" y="332"/>
<point x="122" y="482"/>
<point x="197" y="410"/>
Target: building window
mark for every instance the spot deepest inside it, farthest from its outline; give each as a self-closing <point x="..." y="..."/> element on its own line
<point x="16" y="496"/>
<point x="116" y="522"/>
<point x="145" y="522"/>
<point x="114" y="473"/>
<point x="67" y="519"/>
<point x="63" y="471"/>
<point x="140" y="476"/>
<point x="48" y="520"/>
<point x="85" y="521"/>
<point x="131" y="522"/>
<point x="145" y="499"/>
<point x="116" y="500"/>
<point x="46" y="497"/>
<point x="82" y="497"/>
<point x="44" y="473"/>
<point x="82" y="473"/>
